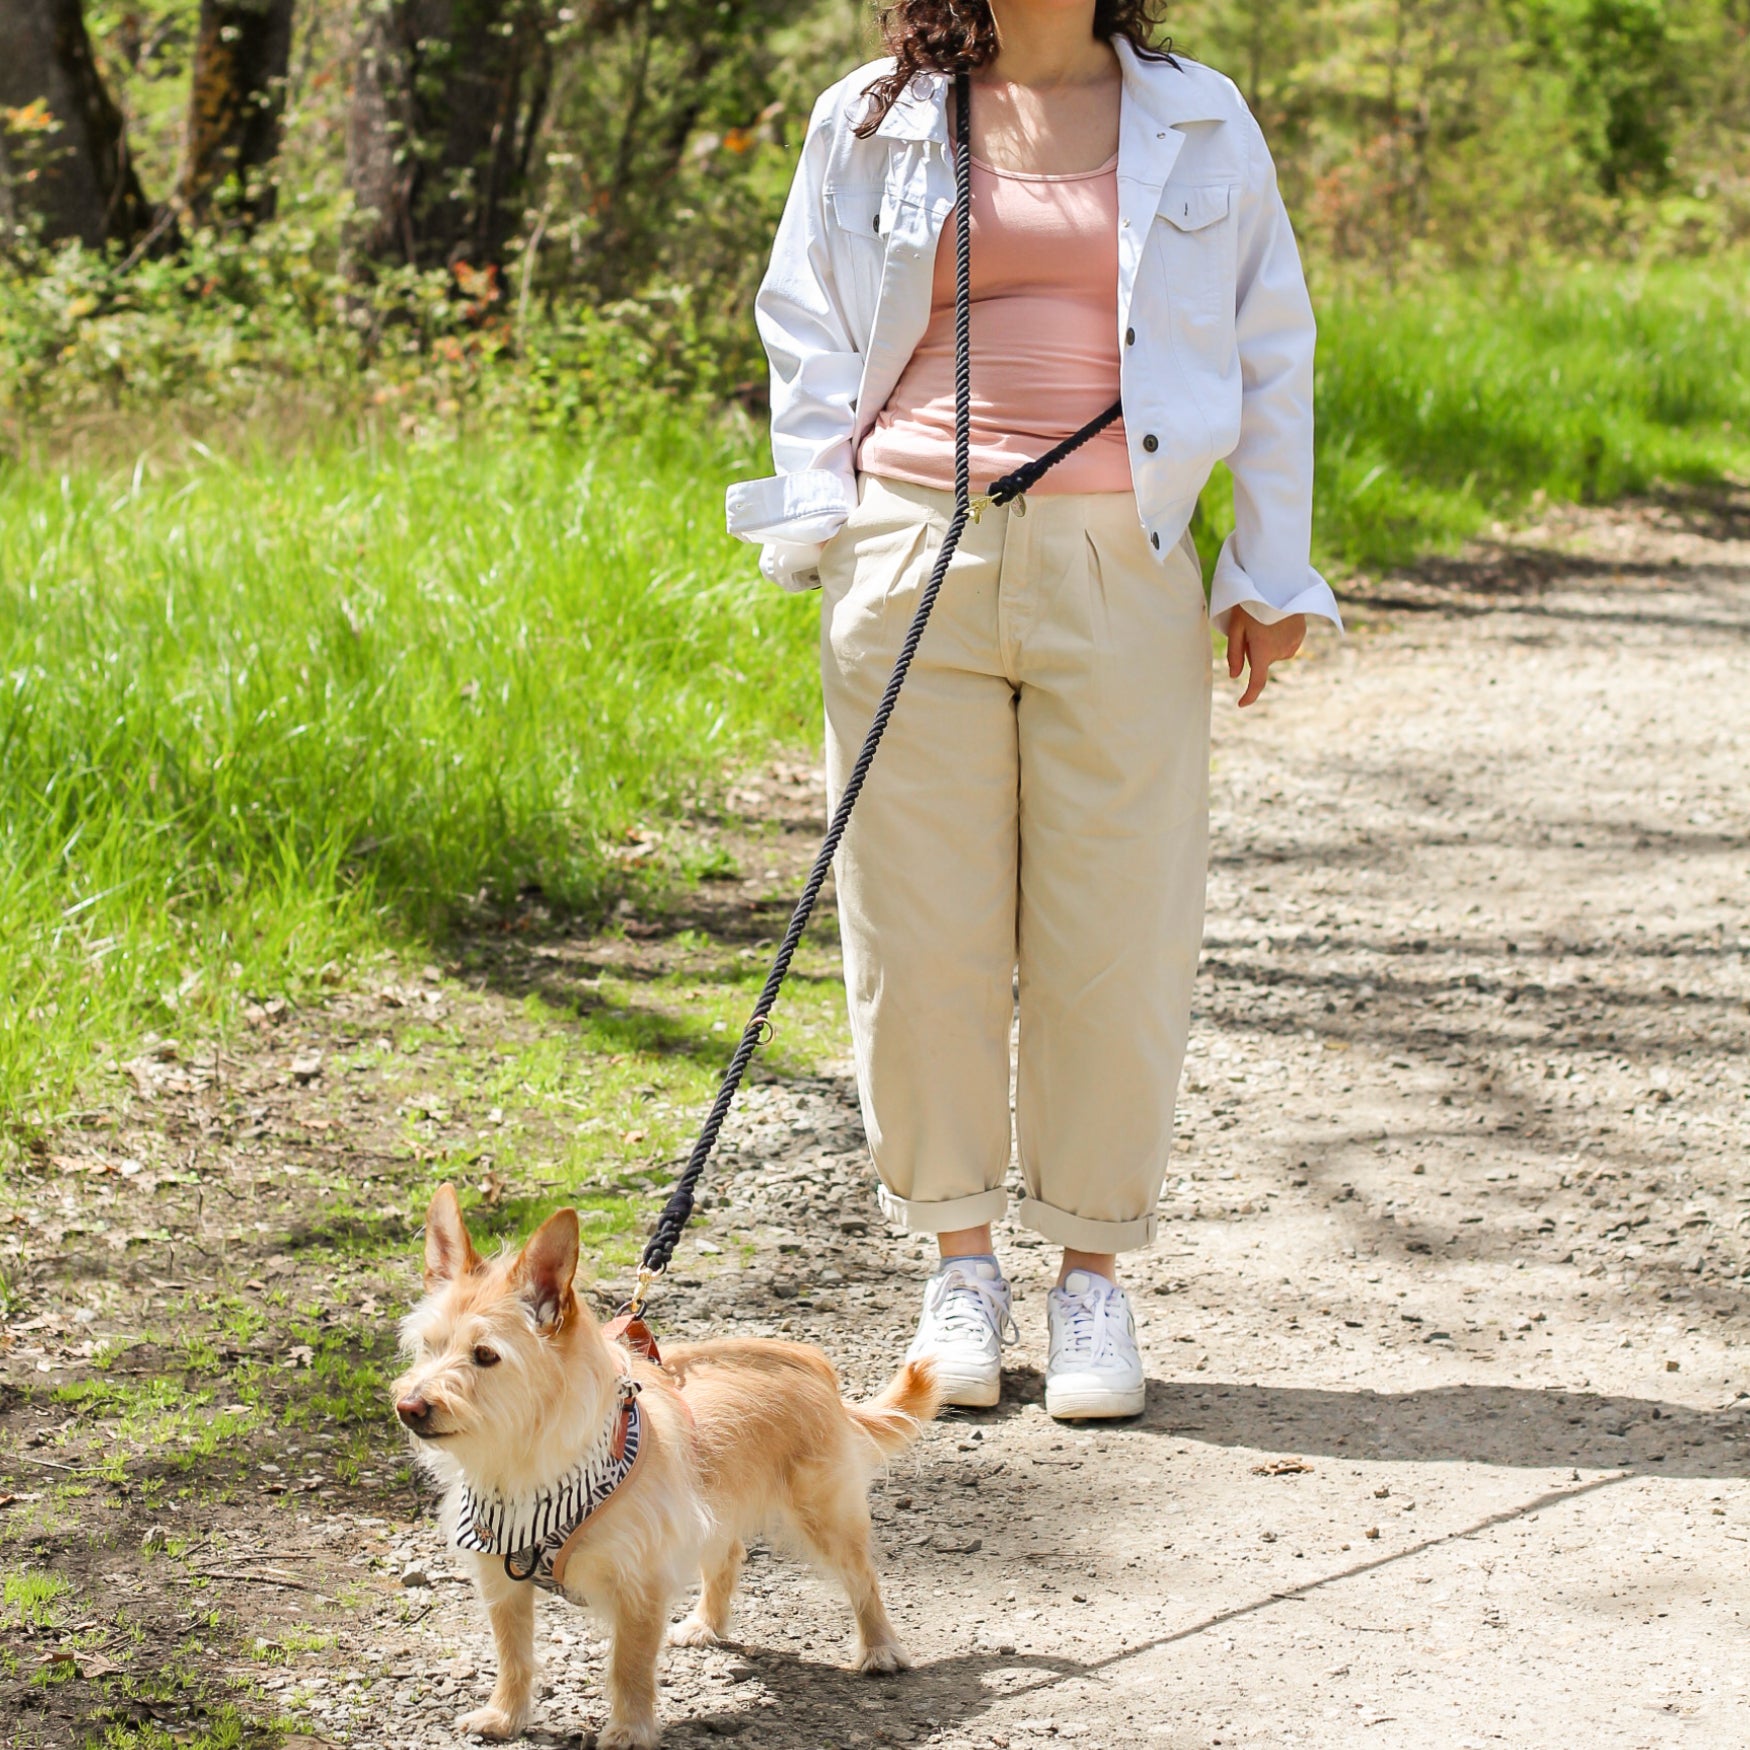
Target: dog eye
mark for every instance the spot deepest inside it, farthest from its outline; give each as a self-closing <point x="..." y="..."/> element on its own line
<point x="484" y="1357"/>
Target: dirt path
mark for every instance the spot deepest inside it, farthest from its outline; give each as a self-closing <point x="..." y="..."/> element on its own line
<point x="1445" y="1442"/>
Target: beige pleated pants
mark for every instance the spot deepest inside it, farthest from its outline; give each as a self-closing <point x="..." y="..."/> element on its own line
<point x="1040" y="800"/>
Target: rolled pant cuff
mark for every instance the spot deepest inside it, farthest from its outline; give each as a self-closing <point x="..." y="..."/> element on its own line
<point x="946" y="1217"/>
<point x="1082" y="1235"/>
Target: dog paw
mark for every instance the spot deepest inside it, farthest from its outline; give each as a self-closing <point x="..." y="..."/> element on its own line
<point x="491" y="1722"/>
<point x="694" y="1632"/>
<point x="884" y="1660"/>
<point x="629" y="1735"/>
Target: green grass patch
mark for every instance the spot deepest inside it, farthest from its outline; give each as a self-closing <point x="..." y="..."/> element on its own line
<point x="158" y="1418"/>
<point x="1452" y="404"/>
<point x="277" y="710"/>
<point x="225" y="1729"/>
<point x="31" y="1599"/>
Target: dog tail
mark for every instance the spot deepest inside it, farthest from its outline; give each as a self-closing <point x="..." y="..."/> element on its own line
<point x="892" y="1420"/>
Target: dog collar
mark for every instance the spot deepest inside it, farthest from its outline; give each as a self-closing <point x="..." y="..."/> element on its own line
<point x="533" y="1531"/>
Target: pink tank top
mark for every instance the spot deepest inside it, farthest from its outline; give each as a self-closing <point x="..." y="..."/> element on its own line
<point x="1044" y="340"/>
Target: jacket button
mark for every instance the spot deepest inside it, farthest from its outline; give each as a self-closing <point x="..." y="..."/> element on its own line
<point x="1151" y="443"/>
<point x="1155" y="540"/>
<point x="1130" y="337"/>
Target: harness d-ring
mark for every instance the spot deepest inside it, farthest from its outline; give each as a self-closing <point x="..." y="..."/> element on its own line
<point x="533" y="1552"/>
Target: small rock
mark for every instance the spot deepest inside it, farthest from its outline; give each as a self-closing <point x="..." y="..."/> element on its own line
<point x="153" y="1541"/>
<point x="415" y="1574"/>
<point x="307" y="1066"/>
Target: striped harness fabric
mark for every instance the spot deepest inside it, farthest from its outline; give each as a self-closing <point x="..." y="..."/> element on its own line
<point x="530" y="1531"/>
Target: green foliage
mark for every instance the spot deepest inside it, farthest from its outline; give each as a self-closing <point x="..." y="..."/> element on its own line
<point x="262" y="325"/>
<point x="1417" y="134"/>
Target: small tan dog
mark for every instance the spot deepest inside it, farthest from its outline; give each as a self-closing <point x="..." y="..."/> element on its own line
<point x="570" y="1463"/>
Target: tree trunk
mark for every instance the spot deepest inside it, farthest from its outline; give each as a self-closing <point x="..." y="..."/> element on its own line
<point x="447" y="100"/>
<point x="236" y="98"/>
<point x="63" y="153"/>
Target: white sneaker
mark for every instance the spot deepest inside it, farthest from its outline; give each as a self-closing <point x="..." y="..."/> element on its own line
<point x="1094" y="1370"/>
<point x="964" y="1326"/>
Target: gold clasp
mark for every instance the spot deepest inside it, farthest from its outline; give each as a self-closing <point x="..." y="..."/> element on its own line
<point x="641" y="1290"/>
<point x="980" y="505"/>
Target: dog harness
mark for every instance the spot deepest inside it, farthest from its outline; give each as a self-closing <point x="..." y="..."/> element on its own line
<point x="535" y="1532"/>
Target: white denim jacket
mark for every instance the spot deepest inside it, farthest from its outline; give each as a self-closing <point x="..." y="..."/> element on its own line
<point x="1215" y="328"/>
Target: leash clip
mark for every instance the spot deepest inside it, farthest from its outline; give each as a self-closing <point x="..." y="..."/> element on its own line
<point x="980" y="505"/>
<point x="641" y="1289"/>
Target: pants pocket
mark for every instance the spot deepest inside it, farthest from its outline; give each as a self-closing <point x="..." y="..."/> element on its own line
<point x="870" y="571"/>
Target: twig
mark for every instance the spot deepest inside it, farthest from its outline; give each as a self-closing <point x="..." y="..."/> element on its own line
<point x="272" y="1555"/>
<point x="285" y="1580"/>
<point x="31" y="1458"/>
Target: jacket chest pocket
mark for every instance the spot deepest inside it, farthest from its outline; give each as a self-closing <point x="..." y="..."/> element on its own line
<point x="1195" y="241"/>
<point x="1196" y="232"/>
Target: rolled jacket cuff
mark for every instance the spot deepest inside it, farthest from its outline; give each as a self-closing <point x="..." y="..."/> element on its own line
<point x="911" y="1216"/>
<point x="806" y="508"/>
<point x="1235" y="587"/>
<point x="1082" y="1235"/>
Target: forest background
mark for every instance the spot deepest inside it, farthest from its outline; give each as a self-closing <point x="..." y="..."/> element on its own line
<point x="271" y="192"/>
<point x="370" y="371"/>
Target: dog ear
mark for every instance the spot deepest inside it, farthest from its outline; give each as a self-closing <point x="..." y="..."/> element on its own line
<point x="449" y="1252"/>
<point x="545" y="1267"/>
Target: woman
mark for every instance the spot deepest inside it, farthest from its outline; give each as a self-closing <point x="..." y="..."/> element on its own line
<point x="1041" y="797"/>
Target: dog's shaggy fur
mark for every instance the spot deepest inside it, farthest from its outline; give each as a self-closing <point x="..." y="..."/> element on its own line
<point x="510" y="1380"/>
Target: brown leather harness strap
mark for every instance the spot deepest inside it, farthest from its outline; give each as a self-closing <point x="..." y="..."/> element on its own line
<point x="646" y="1434"/>
<point x="632" y="1332"/>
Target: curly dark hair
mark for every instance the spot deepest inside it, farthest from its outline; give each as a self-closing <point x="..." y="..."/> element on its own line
<point x="955" y="36"/>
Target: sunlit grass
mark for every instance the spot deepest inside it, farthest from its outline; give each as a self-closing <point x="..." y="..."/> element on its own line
<point x="259" y="716"/>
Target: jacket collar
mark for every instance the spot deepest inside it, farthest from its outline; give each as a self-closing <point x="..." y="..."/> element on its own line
<point x="1165" y="94"/>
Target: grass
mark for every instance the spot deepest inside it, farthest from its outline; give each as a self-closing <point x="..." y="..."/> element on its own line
<point x="31" y="1600"/>
<point x="1453" y="404"/>
<point x="263" y="714"/>
<point x="259" y="716"/>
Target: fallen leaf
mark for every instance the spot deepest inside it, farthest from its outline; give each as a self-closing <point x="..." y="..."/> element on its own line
<point x="1282" y="1467"/>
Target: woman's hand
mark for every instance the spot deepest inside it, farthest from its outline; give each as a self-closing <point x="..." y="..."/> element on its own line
<point x="1250" y="640"/>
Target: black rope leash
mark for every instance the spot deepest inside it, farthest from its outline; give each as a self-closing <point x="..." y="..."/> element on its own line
<point x="1022" y="479"/>
<point x="678" y="1210"/>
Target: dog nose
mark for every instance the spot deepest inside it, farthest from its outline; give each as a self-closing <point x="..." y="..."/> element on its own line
<point x="415" y="1413"/>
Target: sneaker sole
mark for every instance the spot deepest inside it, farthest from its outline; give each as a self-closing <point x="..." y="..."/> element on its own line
<point x="968" y="1391"/>
<point x="1086" y="1406"/>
